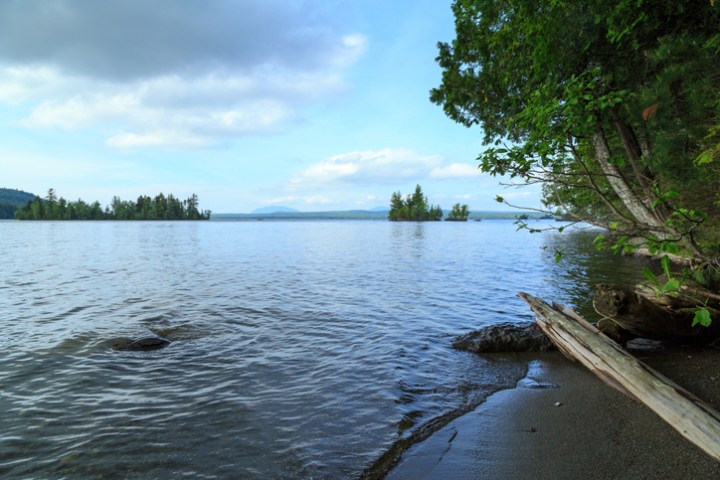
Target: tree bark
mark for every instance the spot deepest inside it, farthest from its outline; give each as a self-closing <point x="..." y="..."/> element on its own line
<point x="634" y="153"/>
<point x="691" y="417"/>
<point x="627" y="196"/>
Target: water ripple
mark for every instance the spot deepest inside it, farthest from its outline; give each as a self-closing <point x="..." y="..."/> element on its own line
<point x="298" y="350"/>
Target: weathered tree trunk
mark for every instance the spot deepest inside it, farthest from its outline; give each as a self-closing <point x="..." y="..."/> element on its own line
<point x="626" y="195"/>
<point x="644" y="313"/>
<point x="634" y="154"/>
<point x="646" y="218"/>
<point x="579" y="340"/>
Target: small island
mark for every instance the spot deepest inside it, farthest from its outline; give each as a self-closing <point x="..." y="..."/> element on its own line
<point x="160" y="207"/>
<point x="416" y="208"/>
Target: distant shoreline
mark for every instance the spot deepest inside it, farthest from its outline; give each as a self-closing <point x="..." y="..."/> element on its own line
<point x="362" y="215"/>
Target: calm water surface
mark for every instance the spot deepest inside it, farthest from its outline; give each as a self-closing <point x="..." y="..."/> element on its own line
<point x="300" y="349"/>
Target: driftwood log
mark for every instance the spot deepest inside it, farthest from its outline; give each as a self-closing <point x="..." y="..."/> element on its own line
<point x="581" y="341"/>
<point x="642" y="312"/>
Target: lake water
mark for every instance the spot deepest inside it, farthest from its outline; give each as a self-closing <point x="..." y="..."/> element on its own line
<point x="300" y="349"/>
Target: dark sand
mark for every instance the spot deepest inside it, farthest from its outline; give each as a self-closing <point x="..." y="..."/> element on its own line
<point x="561" y="422"/>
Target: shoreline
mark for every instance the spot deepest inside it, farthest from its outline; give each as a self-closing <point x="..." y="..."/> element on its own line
<point x="562" y="422"/>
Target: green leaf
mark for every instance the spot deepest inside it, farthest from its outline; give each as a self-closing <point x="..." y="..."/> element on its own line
<point x="672" y="285"/>
<point x="702" y="317"/>
<point x="665" y="262"/>
<point x="650" y="276"/>
<point x="599" y="242"/>
<point x="629" y="248"/>
<point x="705" y="157"/>
<point x="672" y="248"/>
<point x="499" y="199"/>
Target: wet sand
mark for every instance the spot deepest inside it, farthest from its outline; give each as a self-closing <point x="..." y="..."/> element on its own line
<point x="561" y="422"/>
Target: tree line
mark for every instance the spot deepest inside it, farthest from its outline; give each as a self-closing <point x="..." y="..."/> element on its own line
<point x="11" y="199"/>
<point x="416" y="208"/>
<point x="160" y="207"/>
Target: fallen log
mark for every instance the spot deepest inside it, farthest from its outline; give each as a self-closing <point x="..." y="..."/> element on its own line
<point x="579" y="340"/>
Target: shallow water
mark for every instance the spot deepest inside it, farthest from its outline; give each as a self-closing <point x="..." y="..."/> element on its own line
<point x="299" y="349"/>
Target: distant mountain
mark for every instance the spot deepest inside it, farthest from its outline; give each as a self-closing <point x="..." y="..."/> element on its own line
<point x="275" y="209"/>
<point x="11" y="200"/>
<point x="17" y="198"/>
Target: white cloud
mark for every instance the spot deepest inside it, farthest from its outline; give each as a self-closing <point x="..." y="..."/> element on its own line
<point x="456" y="170"/>
<point x="165" y="74"/>
<point x="169" y="111"/>
<point x="354" y="46"/>
<point x="385" y="166"/>
<point x="134" y="39"/>
<point x="159" y="139"/>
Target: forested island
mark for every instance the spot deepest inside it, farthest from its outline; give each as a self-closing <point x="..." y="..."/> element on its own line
<point x="160" y="207"/>
<point x="416" y="208"/>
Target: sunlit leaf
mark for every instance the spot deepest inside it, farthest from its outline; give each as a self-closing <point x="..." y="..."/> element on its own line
<point x="702" y="317"/>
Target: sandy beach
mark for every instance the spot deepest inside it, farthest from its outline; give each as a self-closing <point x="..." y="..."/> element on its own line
<point x="561" y="422"/>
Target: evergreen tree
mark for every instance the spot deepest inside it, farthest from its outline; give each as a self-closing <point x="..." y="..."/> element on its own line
<point x="459" y="213"/>
<point x="144" y="208"/>
<point x="414" y="208"/>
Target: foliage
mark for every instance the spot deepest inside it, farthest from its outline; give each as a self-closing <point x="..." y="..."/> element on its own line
<point x="702" y="317"/>
<point x="612" y="106"/>
<point x="606" y="104"/>
<point x="459" y="213"/>
<point x="10" y="196"/>
<point x="414" y="208"/>
<point x="671" y="284"/>
<point x="145" y="208"/>
<point x="11" y="200"/>
<point x="7" y="211"/>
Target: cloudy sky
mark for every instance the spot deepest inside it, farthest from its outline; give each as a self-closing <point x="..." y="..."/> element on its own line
<point x="312" y="104"/>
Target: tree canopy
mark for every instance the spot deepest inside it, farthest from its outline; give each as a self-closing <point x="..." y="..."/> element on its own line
<point x="160" y="207"/>
<point x="11" y="200"/>
<point x="415" y="208"/>
<point x="459" y="213"/>
<point x="611" y="105"/>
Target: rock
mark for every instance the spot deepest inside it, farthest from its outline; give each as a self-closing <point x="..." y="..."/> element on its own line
<point x="139" y="344"/>
<point x="505" y="337"/>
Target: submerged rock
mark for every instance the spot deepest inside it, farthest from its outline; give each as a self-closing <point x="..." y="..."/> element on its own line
<point x="505" y="337"/>
<point x="140" y="344"/>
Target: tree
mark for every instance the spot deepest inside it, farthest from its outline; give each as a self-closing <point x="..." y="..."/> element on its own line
<point x="613" y="106"/>
<point x="606" y="104"/>
<point x="397" y="206"/>
<point x="144" y="208"/>
<point x="51" y="206"/>
<point x="459" y="213"/>
<point x="414" y="208"/>
<point x="192" y="212"/>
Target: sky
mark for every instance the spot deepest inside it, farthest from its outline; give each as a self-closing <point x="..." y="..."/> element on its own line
<point x="316" y="105"/>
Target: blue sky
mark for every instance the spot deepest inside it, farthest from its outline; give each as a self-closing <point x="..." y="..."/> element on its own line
<point x="315" y="105"/>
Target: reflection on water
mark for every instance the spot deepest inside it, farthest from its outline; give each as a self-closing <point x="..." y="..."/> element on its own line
<point x="299" y="349"/>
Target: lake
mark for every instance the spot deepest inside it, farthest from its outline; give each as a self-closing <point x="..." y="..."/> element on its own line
<point x="299" y="349"/>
